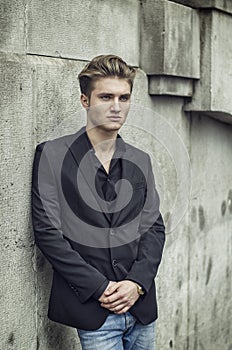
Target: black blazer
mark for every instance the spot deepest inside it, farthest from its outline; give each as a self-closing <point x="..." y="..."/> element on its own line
<point x="85" y="244"/>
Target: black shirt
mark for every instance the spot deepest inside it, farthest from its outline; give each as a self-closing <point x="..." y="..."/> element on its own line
<point x="105" y="182"/>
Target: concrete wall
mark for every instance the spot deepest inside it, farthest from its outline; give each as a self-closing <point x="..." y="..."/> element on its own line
<point x="43" y="46"/>
<point x="210" y="241"/>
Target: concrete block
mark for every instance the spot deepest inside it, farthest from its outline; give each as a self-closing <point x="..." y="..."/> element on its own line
<point x="169" y="39"/>
<point x="171" y="86"/>
<point x="210" y="282"/>
<point x="172" y="292"/>
<point x="157" y="125"/>
<point x="84" y="29"/>
<point x="211" y="91"/>
<point x="223" y="5"/>
<point x="57" y="97"/>
<point x="18" y="280"/>
<point x="37" y="95"/>
<point x="12" y="26"/>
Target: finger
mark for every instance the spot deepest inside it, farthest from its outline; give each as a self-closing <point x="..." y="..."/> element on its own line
<point x="113" y="305"/>
<point x="113" y="308"/>
<point x="119" y="308"/>
<point x="123" y="300"/>
<point x="116" y="303"/>
<point x="119" y="305"/>
<point x="111" y="289"/>
<point x="114" y="297"/>
<point x="122" y="311"/>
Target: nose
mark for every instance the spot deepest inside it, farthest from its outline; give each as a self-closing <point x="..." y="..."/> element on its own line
<point x="115" y="107"/>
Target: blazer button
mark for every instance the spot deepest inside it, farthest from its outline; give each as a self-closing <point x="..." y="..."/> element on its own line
<point x="114" y="263"/>
<point x="112" y="232"/>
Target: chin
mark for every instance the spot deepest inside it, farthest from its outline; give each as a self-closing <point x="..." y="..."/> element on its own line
<point x="111" y="127"/>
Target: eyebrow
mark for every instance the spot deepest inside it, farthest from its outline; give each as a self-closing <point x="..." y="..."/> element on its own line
<point x="109" y="94"/>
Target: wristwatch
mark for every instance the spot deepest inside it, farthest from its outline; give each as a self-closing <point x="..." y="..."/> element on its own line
<point x="140" y="290"/>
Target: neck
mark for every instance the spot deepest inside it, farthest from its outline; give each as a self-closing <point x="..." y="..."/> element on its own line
<point x="102" y="141"/>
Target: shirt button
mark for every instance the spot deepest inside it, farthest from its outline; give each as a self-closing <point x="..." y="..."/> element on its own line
<point x="112" y="232"/>
<point x="114" y="262"/>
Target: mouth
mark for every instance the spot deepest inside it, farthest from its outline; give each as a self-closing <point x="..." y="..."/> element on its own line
<point x="114" y="118"/>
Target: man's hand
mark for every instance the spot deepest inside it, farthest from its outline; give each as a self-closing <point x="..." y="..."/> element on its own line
<point x="119" y="296"/>
<point x="107" y="290"/>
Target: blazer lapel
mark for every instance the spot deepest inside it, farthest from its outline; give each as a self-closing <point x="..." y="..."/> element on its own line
<point x="86" y="172"/>
<point x="128" y="172"/>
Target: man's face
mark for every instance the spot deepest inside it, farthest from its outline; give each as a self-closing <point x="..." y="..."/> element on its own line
<point x="109" y="103"/>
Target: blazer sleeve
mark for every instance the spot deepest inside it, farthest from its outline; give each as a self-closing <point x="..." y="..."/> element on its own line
<point x="83" y="278"/>
<point x="152" y="230"/>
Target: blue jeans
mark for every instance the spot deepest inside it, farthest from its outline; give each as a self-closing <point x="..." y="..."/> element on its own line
<point x="119" y="332"/>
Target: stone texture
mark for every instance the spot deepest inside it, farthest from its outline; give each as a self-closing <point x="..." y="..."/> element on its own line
<point x="171" y="86"/>
<point x="173" y="307"/>
<point x="56" y="97"/>
<point x="223" y="5"/>
<point x="82" y="30"/>
<point x="173" y="47"/>
<point x="18" y="280"/>
<point x="216" y="67"/>
<point x="210" y="283"/>
<point x="12" y="26"/>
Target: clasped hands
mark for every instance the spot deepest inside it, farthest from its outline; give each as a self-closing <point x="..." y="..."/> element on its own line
<point x="119" y="296"/>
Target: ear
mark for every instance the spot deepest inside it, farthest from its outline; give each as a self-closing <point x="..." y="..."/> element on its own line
<point x="84" y="101"/>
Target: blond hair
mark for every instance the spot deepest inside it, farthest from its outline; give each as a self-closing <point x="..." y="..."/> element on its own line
<point x="104" y="66"/>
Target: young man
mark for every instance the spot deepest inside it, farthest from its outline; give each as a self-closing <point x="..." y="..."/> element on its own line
<point x="96" y="219"/>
